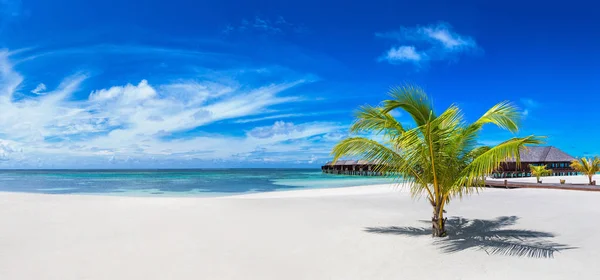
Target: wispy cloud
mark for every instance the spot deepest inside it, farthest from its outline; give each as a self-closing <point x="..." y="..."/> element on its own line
<point x="529" y="106"/>
<point x="278" y="128"/>
<point x="39" y="88"/>
<point x="29" y="54"/>
<point x="403" y="54"/>
<point x="422" y="44"/>
<point x="443" y="33"/>
<point x="278" y="25"/>
<point x="278" y="116"/>
<point x="289" y="115"/>
<point x="133" y="123"/>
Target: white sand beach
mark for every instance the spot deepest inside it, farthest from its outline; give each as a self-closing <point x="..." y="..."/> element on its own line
<point x="345" y="233"/>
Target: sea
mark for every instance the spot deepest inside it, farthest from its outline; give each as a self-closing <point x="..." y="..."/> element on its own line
<point x="188" y="182"/>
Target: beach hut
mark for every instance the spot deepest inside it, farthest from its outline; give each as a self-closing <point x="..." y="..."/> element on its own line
<point x="553" y="158"/>
<point x="351" y="167"/>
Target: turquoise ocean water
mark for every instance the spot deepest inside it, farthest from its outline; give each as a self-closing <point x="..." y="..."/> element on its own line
<point x="192" y="182"/>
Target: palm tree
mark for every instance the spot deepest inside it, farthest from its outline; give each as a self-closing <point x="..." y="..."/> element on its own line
<point x="539" y="171"/>
<point x="587" y="166"/>
<point x="439" y="157"/>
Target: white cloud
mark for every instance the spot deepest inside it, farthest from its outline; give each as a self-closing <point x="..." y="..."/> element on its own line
<point x="279" y="128"/>
<point x="125" y="95"/>
<point x="530" y="105"/>
<point x="129" y="123"/>
<point x="253" y="102"/>
<point x="312" y="159"/>
<point x="278" y="116"/>
<point x="396" y="113"/>
<point x="450" y="40"/>
<point x="39" y="89"/>
<point x="9" y="79"/>
<point x="289" y="115"/>
<point x="427" y="43"/>
<point x="193" y="92"/>
<point x="403" y="53"/>
<point x="7" y="150"/>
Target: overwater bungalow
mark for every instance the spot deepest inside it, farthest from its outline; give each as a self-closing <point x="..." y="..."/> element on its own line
<point x="351" y="167"/>
<point x="555" y="159"/>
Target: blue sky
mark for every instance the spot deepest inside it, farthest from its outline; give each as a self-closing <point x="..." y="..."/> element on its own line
<point x="179" y="84"/>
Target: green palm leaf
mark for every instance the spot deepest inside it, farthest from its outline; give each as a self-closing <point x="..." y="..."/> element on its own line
<point x="539" y="171"/>
<point x="411" y="99"/>
<point x="439" y="157"/>
<point x="587" y="166"/>
<point x="374" y="119"/>
<point x="489" y="161"/>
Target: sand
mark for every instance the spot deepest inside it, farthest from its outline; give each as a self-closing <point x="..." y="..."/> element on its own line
<point x="344" y="233"/>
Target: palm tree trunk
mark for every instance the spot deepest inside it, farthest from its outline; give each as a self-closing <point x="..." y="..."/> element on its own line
<point x="438" y="223"/>
<point x="590" y="177"/>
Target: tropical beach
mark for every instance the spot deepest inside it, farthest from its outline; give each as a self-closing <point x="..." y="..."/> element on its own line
<point x="366" y="232"/>
<point x="299" y="140"/>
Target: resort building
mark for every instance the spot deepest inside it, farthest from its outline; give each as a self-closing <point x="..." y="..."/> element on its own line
<point x="351" y="167"/>
<point x="556" y="160"/>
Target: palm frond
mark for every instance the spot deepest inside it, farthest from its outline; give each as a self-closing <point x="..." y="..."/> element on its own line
<point x="504" y="115"/>
<point x="474" y="153"/>
<point x="411" y="99"/>
<point x="388" y="161"/>
<point x="367" y="149"/>
<point x="374" y="119"/>
<point x="489" y="161"/>
<point x="539" y="170"/>
<point x="586" y="165"/>
<point x="440" y="155"/>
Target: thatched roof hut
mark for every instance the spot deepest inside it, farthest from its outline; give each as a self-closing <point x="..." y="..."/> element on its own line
<point x="541" y="154"/>
<point x="351" y="167"/>
<point x="553" y="158"/>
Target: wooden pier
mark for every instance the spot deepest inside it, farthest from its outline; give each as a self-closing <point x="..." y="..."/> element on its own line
<point x="366" y="168"/>
<point x="523" y="185"/>
<point x="351" y="167"/>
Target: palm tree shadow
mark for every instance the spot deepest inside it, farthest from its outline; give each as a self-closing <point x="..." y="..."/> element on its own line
<point x="486" y="235"/>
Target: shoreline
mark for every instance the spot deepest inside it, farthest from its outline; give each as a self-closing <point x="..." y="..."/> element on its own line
<point x="318" y="191"/>
<point x="362" y="232"/>
<point x="300" y="192"/>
